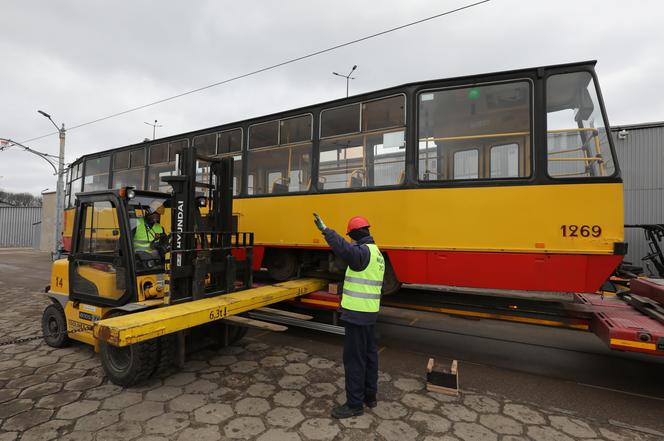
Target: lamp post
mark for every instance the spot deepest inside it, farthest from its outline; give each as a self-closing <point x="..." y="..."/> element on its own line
<point x="154" y="127"/>
<point x="347" y="77"/>
<point x="59" y="192"/>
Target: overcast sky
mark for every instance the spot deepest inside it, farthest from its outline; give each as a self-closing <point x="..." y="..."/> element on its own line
<point x="80" y="61"/>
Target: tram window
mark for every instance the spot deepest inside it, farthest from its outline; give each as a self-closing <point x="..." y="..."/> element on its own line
<point x="206" y="144"/>
<point x="371" y="160"/>
<point x="340" y="121"/>
<point x="577" y="140"/>
<point x="237" y="174"/>
<point x="121" y="160"/>
<point x="129" y="178"/>
<point x="156" y="172"/>
<point x="342" y="163"/>
<point x="505" y="161"/>
<point x="78" y="170"/>
<point x="296" y="129"/>
<point x="129" y="169"/>
<point x="230" y="141"/>
<point x="159" y="153"/>
<point x="264" y="134"/>
<point x="137" y="158"/>
<point x="472" y="118"/>
<point x="383" y="113"/>
<point x="466" y="164"/>
<point x="176" y="147"/>
<point x="76" y="187"/>
<point x="96" y="173"/>
<point x="280" y="170"/>
<point x="250" y="184"/>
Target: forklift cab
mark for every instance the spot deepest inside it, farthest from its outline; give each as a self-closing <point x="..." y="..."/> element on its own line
<point x="105" y="269"/>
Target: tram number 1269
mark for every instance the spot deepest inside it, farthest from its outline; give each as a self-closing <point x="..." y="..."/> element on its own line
<point x="581" y="230"/>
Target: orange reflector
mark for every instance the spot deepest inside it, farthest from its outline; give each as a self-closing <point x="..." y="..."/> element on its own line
<point x="539" y="244"/>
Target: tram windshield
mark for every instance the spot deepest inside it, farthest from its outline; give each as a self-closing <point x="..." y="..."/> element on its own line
<point x="577" y="140"/>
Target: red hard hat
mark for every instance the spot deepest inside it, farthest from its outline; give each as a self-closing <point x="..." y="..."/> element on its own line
<point x="356" y="222"/>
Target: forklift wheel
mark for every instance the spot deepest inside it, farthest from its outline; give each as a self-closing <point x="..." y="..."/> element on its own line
<point x="54" y="325"/>
<point x="168" y="355"/>
<point x="129" y="365"/>
<point x="231" y="334"/>
<point x="236" y="333"/>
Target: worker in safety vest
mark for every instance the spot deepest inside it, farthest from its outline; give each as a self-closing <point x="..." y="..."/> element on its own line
<point x="360" y="303"/>
<point x="147" y="229"/>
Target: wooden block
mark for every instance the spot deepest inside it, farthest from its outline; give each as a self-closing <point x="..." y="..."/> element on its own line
<point x="443" y="380"/>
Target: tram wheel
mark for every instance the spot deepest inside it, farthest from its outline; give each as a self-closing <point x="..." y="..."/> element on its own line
<point x="281" y="265"/>
<point x="391" y="284"/>
<point x="129" y="365"/>
<point x="54" y="326"/>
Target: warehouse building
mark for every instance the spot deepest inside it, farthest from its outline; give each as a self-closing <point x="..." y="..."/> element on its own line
<point x="640" y="150"/>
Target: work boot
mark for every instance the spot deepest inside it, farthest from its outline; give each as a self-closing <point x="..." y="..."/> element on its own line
<point x="345" y="411"/>
<point x="370" y="401"/>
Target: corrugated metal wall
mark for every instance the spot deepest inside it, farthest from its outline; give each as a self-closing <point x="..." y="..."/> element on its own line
<point x="641" y="159"/>
<point x="17" y="226"/>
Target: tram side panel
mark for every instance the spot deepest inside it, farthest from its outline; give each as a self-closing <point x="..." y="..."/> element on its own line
<point x="561" y="238"/>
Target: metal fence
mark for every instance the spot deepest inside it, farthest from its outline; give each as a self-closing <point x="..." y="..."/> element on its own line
<point x="19" y="227"/>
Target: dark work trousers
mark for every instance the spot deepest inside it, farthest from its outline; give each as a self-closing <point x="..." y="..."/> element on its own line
<point x="360" y="363"/>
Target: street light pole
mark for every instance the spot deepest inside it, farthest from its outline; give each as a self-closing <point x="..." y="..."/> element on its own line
<point x="154" y="127"/>
<point x="347" y="77"/>
<point x="59" y="192"/>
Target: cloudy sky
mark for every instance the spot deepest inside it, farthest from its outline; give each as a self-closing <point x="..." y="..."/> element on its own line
<point x="80" y="61"/>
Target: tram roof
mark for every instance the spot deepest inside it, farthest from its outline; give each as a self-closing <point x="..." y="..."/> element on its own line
<point x="340" y="101"/>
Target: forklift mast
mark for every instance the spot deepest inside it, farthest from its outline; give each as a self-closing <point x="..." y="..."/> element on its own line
<point x="207" y="253"/>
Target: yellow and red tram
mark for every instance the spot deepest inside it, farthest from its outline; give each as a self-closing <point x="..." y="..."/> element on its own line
<point x="505" y="180"/>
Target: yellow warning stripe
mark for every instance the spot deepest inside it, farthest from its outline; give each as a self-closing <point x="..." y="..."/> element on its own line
<point x="633" y="344"/>
<point x="320" y="302"/>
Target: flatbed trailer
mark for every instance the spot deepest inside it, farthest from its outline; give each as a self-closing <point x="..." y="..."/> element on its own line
<point x="617" y="320"/>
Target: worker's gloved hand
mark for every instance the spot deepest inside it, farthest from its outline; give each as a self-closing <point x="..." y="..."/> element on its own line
<point x="319" y="223"/>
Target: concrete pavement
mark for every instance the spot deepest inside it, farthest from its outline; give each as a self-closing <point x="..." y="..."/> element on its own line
<point x="269" y="387"/>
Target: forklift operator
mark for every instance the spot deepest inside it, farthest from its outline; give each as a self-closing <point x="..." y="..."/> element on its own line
<point x="147" y="230"/>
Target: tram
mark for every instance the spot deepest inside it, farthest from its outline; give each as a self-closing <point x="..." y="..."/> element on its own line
<point x="506" y="180"/>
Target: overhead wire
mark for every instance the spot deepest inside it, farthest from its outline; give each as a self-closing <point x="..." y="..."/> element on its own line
<point x="267" y="68"/>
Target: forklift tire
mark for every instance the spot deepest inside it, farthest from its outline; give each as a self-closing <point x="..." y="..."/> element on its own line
<point x="129" y="365"/>
<point x="230" y="334"/>
<point x="54" y="325"/>
<point x="168" y="353"/>
<point x="236" y="333"/>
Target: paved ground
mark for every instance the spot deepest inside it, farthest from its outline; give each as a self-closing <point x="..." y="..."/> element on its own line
<point x="270" y="387"/>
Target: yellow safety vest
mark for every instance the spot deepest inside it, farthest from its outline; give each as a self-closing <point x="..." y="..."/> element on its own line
<point x="362" y="288"/>
<point x="144" y="236"/>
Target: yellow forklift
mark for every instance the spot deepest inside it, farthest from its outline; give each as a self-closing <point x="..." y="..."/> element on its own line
<point x="148" y="271"/>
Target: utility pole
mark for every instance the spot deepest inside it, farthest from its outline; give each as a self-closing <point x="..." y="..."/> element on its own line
<point x="347" y="77"/>
<point x="154" y="127"/>
<point x="59" y="192"/>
